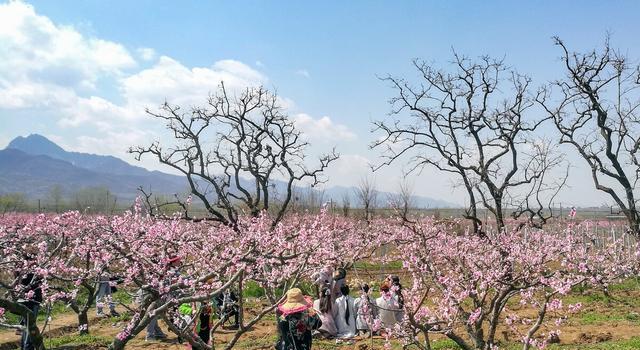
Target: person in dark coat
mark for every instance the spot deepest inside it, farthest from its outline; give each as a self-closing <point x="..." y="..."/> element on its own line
<point x="227" y="305"/>
<point x="296" y="320"/>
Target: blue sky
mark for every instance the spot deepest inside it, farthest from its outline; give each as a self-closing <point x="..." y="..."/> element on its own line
<point x="324" y="58"/>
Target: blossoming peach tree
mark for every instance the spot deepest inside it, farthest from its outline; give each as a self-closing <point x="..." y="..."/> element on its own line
<point x="66" y="254"/>
<point x="461" y="285"/>
<point x="465" y="286"/>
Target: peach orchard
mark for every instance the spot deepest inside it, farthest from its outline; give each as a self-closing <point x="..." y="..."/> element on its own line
<point x="457" y="283"/>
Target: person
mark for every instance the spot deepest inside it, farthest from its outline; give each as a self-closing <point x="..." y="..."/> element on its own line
<point x="365" y="311"/>
<point x="202" y="325"/>
<point x="323" y="278"/>
<point x="104" y="293"/>
<point x="296" y="320"/>
<point x="387" y="306"/>
<point x="396" y="288"/>
<point x="154" y="332"/>
<point x="172" y="270"/>
<point x="227" y="305"/>
<point x="327" y="312"/>
<point x="339" y="278"/>
<point x="346" y="314"/>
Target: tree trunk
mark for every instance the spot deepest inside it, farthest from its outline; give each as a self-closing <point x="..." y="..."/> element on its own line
<point x="83" y="322"/>
<point x="31" y="327"/>
<point x="34" y="333"/>
<point x="499" y="215"/>
<point x="427" y="341"/>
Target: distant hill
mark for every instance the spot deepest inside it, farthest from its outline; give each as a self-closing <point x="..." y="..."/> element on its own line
<point x="35" y="175"/>
<point x="34" y="164"/>
<point x="40" y="145"/>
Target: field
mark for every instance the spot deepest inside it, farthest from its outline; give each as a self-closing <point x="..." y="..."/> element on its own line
<point x="607" y="322"/>
<point x="573" y="285"/>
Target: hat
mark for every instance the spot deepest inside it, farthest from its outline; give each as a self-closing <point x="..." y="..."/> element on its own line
<point x="296" y="302"/>
<point x="174" y="259"/>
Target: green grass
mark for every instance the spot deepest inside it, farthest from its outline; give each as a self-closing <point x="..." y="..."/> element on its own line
<point x="56" y="309"/>
<point x="59" y="308"/>
<point x="627" y="285"/>
<point x="71" y="339"/>
<point x="122" y="297"/>
<point x="252" y="290"/>
<point x="364" y="265"/>
<point x="590" y="318"/>
<point x="630" y="344"/>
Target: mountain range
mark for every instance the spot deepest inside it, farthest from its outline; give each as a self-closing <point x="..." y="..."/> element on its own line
<point x="34" y="164"/>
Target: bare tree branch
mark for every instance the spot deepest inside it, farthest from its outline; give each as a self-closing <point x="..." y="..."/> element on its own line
<point x="232" y="151"/>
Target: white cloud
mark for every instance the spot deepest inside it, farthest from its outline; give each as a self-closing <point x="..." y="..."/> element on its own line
<point x="146" y="53"/>
<point x="98" y="93"/>
<point x="348" y="170"/>
<point x="304" y="73"/>
<point x="34" y="50"/>
<point x="94" y="109"/>
<point x="322" y="129"/>
<point x="169" y="79"/>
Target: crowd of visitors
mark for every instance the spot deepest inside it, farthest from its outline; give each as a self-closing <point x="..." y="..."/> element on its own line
<point x="336" y="314"/>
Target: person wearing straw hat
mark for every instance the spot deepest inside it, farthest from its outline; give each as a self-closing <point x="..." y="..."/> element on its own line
<point x="296" y="320"/>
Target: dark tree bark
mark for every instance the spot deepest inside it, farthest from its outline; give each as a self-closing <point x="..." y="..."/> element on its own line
<point x="31" y="327"/>
<point x="232" y="150"/>
<point x="597" y="115"/>
<point x="475" y="123"/>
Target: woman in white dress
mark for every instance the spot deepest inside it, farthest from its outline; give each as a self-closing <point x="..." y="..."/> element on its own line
<point x="346" y="315"/>
<point x="327" y="312"/>
<point x="366" y="311"/>
<point x="387" y="305"/>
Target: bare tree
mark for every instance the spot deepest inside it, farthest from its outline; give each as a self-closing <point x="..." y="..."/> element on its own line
<point x="537" y="204"/>
<point x="403" y="201"/>
<point x="232" y="150"/>
<point x="97" y="199"/>
<point x="475" y="123"/>
<point x="307" y="199"/>
<point x="598" y="115"/>
<point x="367" y="195"/>
<point x="55" y="197"/>
<point x="346" y="204"/>
<point x="12" y="202"/>
<point x="163" y="206"/>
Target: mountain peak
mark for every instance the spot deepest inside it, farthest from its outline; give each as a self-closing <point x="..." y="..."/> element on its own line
<point x="36" y="144"/>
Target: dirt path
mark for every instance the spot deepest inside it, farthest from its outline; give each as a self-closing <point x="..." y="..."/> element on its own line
<point x="610" y="322"/>
<point x="261" y="337"/>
